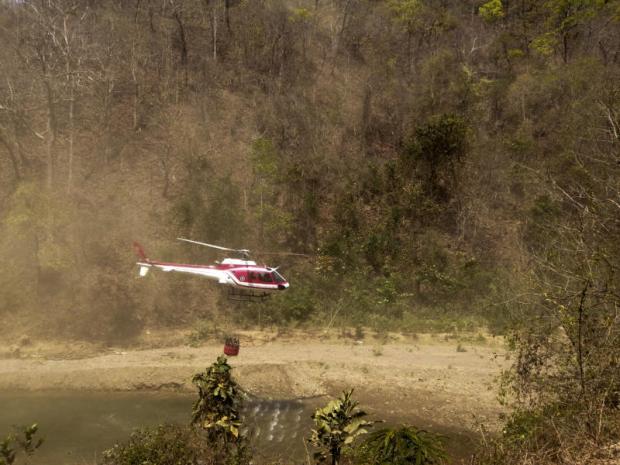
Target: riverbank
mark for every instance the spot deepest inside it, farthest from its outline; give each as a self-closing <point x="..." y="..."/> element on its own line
<point x="432" y="379"/>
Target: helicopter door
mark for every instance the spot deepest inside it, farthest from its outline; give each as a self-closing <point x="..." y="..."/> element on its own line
<point x="254" y="277"/>
<point x="241" y="275"/>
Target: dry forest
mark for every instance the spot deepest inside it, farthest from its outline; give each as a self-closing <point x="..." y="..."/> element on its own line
<point x="446" y="166"/>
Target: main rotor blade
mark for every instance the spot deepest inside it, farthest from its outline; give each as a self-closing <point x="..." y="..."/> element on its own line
<point x="214" y="246"/>
<point x="283" y="253"/>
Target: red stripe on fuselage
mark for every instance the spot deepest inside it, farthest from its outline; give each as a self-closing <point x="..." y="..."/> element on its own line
<point x="213" y="267"/>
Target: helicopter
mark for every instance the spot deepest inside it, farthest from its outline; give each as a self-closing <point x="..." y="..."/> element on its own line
<point x="244" y="278"/>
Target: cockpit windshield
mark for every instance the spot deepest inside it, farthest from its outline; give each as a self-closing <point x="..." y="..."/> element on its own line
<point x="277" y="277"/>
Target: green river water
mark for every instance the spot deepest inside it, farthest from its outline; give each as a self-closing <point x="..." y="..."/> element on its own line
<point x="79" y="426"/>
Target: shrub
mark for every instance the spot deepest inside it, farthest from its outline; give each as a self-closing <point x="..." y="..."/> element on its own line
<point x="169" y="444"/>
<point x="402" y="446"/>
<point x="217" y="409"/>
<point x="337" y="425"/>
<point x="12" y="443"/>
<point x="213" y="438"/>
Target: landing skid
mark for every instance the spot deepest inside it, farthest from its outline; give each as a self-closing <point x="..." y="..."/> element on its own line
<point x="241" y="295"/>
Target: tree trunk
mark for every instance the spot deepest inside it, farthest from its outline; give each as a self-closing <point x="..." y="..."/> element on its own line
<point x="136" y="88"/>
<point x="214" y="32"/>
<point x="184" y="50"/>
<point x="71" y="133"/>
<point x="50" y="134"/>
<point x="227" y="15"/>
<point x="12" y="157"/>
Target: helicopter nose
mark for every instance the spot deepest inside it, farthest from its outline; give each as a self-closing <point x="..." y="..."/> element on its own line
<point x="282" y="286"/>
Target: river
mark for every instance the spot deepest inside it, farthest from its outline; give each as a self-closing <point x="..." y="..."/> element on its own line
<point x="78" y="426"/>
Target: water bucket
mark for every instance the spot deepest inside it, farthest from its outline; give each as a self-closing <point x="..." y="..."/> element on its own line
<point x="231" y="347"/>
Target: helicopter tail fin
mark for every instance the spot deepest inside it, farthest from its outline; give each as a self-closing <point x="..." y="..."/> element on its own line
<point x="144" y="262"/>
<point x="139" y="251"/>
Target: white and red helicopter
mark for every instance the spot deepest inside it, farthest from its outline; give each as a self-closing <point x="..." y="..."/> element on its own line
<point x="244" y="277"/>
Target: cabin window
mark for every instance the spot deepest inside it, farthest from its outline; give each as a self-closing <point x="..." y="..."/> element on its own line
<point x="266" y="277"/>
<point x="277" y="277"/>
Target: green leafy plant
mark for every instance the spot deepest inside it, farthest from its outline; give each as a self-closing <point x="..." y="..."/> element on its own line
<point x="7" y="453"/>
<point x="215" y="418"/>
<point x="492" y="10"/>
<point x="439" y="146"/>
<point x="217" y="409"/>
<point x="337" y="425"/>
<point x="402" y="446"/>
<point x="13" y="443"/>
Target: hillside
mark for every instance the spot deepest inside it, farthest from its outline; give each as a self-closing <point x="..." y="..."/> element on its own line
<point x="446" y="165"/>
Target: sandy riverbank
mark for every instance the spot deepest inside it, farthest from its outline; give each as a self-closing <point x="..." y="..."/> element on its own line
<point x="426" y="378"/>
